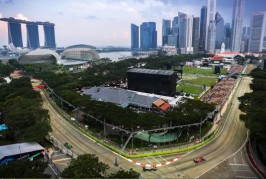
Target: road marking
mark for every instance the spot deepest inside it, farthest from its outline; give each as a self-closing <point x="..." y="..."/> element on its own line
<point x="147" y="159"/>
<point x="235" y="160"/>
<point x="242" y="171"/>
<point x="163" y="158"/>
<point x="58" y="160"/>
<point x="238" y="164"/>
<point x="155" y="159"/>
<point x="244" y="177"/>
<point x="225" y="158"/>
<point x="57" y="155"/>
<point x="242" y="158"/>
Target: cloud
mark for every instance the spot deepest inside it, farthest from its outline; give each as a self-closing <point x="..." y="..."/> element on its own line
<point x="61" y="13"/>
<point x="6" y="1"/>
<point x="91" y="17"/>
<point x="1" y="15"/>
<point x="21" y="17"/>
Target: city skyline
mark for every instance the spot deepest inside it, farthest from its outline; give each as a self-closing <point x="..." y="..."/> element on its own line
<point x="87" y="22"/>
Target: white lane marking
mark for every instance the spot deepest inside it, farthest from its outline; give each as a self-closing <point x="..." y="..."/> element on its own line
<point x="155" y="159"/>
<point x="148" y="160"/>
<point x="163" y="158"/>
<point x="242" y="158"/>
<point x="242" y="171"/>
<point x="244" y="177"/>
<point x="225" y="158"/>
<point x="58" y="155"/>
<point x="238" y="164"/>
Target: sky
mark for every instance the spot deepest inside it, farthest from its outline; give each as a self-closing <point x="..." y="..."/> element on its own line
<point x="107" y="22"/>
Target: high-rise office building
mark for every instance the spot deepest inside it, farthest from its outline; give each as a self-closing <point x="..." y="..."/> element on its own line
<point x="195" y="34"/>
<point x="148" y="36"/>
<point x="49" y="35"/>
<point x="257" y="39"/>
<point x="219" y="31"/>
<point x="211" y="26"/>
<point x="203" y="25"/>
<point x="237" y="20"/>
<point x="185" y="26"/>
<point x="172" y="40"/>
<point x="32" y="35"/>
<point x="245" y="39"/>
<point x="134" y="37"/>
<point x="14" y="33"/>
<point x="175" y="30"/>
<point x="166" y="29"/>
<point x="227" y="38"/>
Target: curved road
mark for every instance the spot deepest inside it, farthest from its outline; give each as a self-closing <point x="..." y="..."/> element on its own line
<point x="229" y="142"/>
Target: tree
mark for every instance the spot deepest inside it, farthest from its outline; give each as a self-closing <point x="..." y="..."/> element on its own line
<point x="24" y="169"/>
<point x="85" y="166"/>
<point x="125" y="174"/>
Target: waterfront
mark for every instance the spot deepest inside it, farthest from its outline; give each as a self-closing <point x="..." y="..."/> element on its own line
<point x="116" y="56"/>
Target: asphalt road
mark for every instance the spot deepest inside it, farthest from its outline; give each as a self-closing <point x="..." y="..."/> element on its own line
<point x="218" y="153"/>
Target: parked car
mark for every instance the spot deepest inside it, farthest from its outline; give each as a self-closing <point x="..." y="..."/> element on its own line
<point x="67" y="145"/>
<point x="149" y="168"/>
<point x="199" y="159"/>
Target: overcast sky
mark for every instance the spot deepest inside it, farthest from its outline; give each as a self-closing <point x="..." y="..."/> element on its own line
<point x="107" y="22"/>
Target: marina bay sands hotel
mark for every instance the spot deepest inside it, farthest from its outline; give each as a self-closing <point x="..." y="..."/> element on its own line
<point x="33" y="42"/>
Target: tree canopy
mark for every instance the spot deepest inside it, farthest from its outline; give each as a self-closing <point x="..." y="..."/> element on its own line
<point x="253" y="105"/>
<point x="85" y="166"/>
<point x="24" y="169"/>
<point x="23" y="113"/>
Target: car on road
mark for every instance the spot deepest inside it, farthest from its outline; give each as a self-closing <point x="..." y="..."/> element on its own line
<point x="67" y="145"/>
<point x="199" y="159"/>
<point x="149" y="168"/>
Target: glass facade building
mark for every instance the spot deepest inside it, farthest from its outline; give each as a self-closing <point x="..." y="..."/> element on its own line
<point x="32" y="35"/>
<point x="257" y="39"/>
<point x="219" y="31"/>
<point x="166" y="30"/>
<point x="49" y="35"/>
<point x="14" y="33"/>
<point x="148" y="36"/>
<point x="203" y="25"/>
<point x="237" y="20"/>
<point x="196" y="33"/>
<point x="134" y="37"/>
<point x="211" y="26"/>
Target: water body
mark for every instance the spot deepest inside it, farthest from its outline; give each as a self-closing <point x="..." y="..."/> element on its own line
<point x="116" y="56"/>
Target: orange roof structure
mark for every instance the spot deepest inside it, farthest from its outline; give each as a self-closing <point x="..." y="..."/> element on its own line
<point x="161" y="104"/>
<point x="217" y="58"/>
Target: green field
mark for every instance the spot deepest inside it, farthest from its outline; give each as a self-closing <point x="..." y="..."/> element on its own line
<point x="196" y="90"/>
<point x="201" y="71"/>
<point x="201" y="81"/>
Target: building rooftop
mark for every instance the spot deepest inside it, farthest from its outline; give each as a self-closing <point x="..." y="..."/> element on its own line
<point x="20" y="148"/>
<point x="149" y="71"/>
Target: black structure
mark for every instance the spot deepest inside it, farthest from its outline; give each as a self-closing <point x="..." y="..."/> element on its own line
<point x="160" y="82"/>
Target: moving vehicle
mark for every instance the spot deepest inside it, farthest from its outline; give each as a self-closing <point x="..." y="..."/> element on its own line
<point x="67" y="145"/>
<point x="149" y="168"/>
<point x="199" y="159"/>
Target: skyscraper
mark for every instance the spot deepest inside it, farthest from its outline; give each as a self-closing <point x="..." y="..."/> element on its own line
<point x="32" y="35"/>
<point x="49" y="35"/>
<point x="219" y="31"/>
<point x="148" y="36"/>
<point x="195" y="34"/>
<point x="166" y="29"/>
<point x="175" y="31"/>
<point x="237" y="20"/>
<point x="185" y="26"/>
<point x="134" y="37"/>
<point x="227" y="40"/>
<point x="245" y="39"/>
<point x="257" y="40"/>
<point x="14" y="33"/>
<point x="211" y="26"/>
<point x="203" y="25"/>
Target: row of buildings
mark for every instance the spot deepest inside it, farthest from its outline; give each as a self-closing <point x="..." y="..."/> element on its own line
<point x="189" y="34"/>
<point x="33" y="42"/>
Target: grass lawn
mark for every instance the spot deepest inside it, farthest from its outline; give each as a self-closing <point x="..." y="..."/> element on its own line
<point x="201" y="81"/>
<point x="201" y="71"/>
<point x="196" y="90"/>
